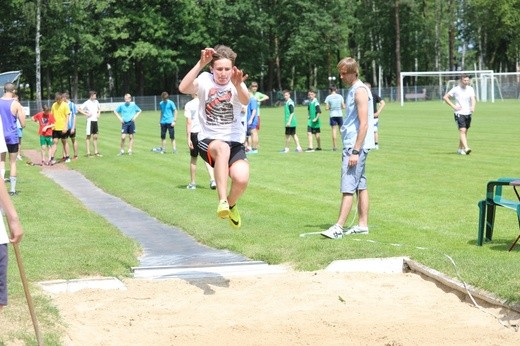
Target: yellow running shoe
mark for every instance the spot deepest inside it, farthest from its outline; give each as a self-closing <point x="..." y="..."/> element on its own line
<point x="223" y="209"/>
<point x="234" y="217"/>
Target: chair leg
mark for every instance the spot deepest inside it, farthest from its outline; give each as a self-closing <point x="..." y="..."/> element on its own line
<point x="481" y="222"/>
<point x="490" y="221"/>
<point x="514" y="243"/>
<point x="518" y="238"/>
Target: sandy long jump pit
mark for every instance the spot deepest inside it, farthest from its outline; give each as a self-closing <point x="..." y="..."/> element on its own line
<point x="336" y="306"/>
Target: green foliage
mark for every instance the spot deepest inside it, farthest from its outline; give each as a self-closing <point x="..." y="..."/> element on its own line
<point x="280" y="43"/>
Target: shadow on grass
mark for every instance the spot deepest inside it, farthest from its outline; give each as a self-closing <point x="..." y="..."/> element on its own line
<point x="498" y="244"/>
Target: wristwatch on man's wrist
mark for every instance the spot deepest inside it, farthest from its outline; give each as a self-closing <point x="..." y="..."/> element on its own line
<point x="355" y="152"/>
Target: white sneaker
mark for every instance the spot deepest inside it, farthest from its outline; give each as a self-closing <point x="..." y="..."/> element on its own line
<point x="191" y="186"/>
<point x="356" y="230"/>
<point x="212" y="185"/>
<point x="467" y="151"/>
<point x="334" y="232"/>
<point x="121" y="152"/>
<point x="129" y="152"/>
<point x="461" y="152"/>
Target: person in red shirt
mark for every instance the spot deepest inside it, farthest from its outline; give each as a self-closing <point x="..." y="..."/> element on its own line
<point x="46" y="121"/>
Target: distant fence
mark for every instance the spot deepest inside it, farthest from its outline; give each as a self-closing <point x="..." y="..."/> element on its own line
<point x="416" y="93"/>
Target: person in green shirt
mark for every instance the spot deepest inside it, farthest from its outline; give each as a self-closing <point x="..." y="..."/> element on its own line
<point x="290" y="123"/>
<point x="313" y="122"/>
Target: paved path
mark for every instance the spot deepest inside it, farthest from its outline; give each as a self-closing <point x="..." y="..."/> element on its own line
<point x="168" y="251"/>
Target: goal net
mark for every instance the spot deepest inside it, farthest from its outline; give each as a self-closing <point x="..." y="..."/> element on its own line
<point x="433" y="85"/>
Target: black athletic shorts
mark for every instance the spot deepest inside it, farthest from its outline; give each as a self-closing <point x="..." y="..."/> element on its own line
<point x="463" y="120"/>
<point x="59" y="134"/>
<point x="313" y="130"/>
<point x="12" y="148"/>
<point x="237" y="151"/>
<point x="169" y="128"/>
<point x="290" y="130"/>
<point x="195" y="141"/>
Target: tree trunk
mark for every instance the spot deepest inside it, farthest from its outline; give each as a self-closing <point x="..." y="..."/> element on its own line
<point x="451" y="37"/>
<point x="277" y="63"/>
<point x="139" y="76"/>
<point x="398" y="49"/>
<point x="38" y="57"/>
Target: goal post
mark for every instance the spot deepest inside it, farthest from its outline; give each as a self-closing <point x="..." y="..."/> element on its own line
<point x="435" y="83"/>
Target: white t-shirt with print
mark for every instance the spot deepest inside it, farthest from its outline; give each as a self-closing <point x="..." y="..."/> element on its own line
<point x="219" y="110"/>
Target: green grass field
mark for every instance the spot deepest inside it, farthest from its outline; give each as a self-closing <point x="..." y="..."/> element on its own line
<point x="423" y="203"/>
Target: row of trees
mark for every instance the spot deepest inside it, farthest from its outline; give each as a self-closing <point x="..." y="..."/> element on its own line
<point x="118" y="46"/>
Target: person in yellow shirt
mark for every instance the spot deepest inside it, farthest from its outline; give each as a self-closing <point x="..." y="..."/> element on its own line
<point x="61" y="112"/>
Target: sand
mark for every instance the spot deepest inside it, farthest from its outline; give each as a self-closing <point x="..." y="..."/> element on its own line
<point x="291" y="308"/>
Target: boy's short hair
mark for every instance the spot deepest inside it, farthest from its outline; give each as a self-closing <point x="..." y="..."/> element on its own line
<point x="164" y="95"/>
<point x="92" y="92"/>
<point x="9" y="87"/>
<point x="223" y="52"/>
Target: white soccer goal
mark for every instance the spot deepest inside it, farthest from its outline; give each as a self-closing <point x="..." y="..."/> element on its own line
<point x="431" y="85"/>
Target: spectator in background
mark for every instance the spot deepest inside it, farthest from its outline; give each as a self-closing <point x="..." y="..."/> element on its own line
<point x="127" y="113"/>
<point x="19" y="127"/>
<point x="313" y="122"/>
<point x="252" y="125"/>
<point x="290" y="123"/>
<point x="191" y="112"/>
<point x="92" y="110"/>
<point x="335" y="103"/>
<point x="167" y="122"/>
<point x="72" y="124"/>
<point x="379" y="104"/>
<point x="253" y="90"/>
<point x="61" y="112"/>
<point x="45" y="120"/>
<point x="465" y="106"/>
<point x="10" y="111"/>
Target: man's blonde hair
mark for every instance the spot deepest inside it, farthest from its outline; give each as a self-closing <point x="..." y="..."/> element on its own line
<point x="349" y="64"/>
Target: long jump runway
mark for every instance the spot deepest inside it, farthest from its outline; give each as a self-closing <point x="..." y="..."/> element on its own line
<point x="167" y="251"/>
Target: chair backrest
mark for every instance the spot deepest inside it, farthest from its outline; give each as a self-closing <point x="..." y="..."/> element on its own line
<point x="498" y="189"/>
